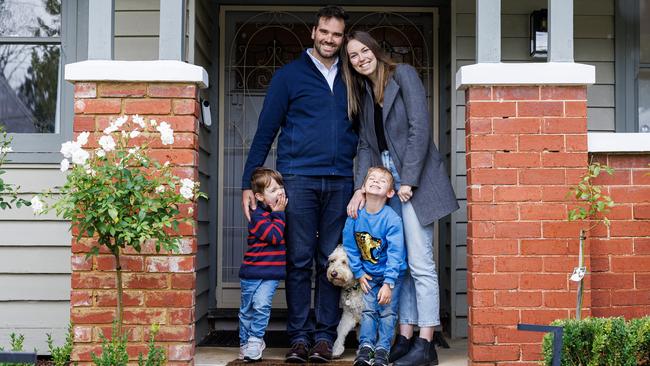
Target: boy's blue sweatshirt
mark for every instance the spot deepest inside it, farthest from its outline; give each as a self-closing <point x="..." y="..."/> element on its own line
<point x="317" y="138"/>
<point x="375" y="244"/>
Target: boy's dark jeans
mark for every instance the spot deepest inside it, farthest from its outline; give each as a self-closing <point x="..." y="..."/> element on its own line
<point x="316" y="214"/>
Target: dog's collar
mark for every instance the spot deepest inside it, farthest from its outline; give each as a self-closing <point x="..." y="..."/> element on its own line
<point x="356" y="287"/>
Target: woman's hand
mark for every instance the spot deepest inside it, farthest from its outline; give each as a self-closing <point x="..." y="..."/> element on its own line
<point x="357" y="202"/>
<point x="405" y="193"/>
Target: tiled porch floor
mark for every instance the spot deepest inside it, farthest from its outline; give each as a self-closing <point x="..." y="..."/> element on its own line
<point x="213" y="356"/>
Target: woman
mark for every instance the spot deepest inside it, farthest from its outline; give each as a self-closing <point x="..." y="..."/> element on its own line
<point x="390" y="104"/>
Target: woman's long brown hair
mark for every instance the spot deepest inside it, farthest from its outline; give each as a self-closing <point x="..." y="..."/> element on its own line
<point x="355" y="82"/>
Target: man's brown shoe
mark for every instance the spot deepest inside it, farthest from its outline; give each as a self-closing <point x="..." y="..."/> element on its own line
<point x="297" y="354"/>
<point x="321" y="352"/>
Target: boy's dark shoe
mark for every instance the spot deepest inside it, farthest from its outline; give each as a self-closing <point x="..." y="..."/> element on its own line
<point x="400" y="348"/>
<point x="422" y="353"/>
<point x="321" y="352"/>
<point x="297" y="354"/>
<point x="380" y="358"/>
<point x="364" y="357"/>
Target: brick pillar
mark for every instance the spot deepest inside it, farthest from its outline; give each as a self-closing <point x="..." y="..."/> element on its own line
<point x="159" y="287"/>
<point x="525" y="146"/>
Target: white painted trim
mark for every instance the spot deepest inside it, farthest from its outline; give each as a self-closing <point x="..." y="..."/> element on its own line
<point x="618" y="142"/>
<point x="156" y="71"/>
<point x="531" y="73"/>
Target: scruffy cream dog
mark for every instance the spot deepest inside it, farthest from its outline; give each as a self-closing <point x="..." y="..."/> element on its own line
<point x="339" y="274"/>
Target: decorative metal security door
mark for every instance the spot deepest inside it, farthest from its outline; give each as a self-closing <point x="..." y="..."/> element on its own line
<point x="254" y="44"/>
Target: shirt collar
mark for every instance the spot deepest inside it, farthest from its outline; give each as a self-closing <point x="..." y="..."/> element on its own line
<point x="320" y="65"/>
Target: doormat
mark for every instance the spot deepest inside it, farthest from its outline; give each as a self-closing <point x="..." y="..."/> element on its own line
<point x="281" y="362"/>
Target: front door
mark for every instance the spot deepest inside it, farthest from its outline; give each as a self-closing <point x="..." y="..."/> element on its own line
<point x="257" y="41"/>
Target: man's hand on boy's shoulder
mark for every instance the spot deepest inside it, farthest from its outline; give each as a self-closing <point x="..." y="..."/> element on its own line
<point x="248" y="203"/>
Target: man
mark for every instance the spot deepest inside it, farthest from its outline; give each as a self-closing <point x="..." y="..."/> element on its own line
<point x="307" y="102"/>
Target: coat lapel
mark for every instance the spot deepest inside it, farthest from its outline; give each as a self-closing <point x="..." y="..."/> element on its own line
<point x="369" y="111"/>
<point x="389" y="96"/>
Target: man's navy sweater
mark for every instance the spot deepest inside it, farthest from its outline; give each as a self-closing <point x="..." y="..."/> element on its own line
<point x="316" y="137"/>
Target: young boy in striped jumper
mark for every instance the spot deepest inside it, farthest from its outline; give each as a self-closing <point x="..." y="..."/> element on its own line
<point x="264" y="263"/>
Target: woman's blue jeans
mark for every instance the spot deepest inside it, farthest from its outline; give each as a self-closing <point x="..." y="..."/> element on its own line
<point x="420" y="298"/>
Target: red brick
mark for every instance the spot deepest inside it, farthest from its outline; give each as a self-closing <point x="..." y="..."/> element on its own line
<point x="519" y="264"/>
<point x="531" y="352"/>
<point x="631" y="297"/>
<point x="636" y="161"/>
<point x="479" y="160"/>
<point x="601" y="298"/>
<point x="147" y="106"/>
<point x="122" y="90"/>
<point x="517" y="194"/>
<point x="81" y="298"/>
<point x="576" y="143"/>
<point x="518" y="298"/>
<point x="181" y="141"/>
<point x="641" y="245"/>
<point x="544" y="247"/>
<point x="79" y="262"/>
<point x="612" y="280"/>
<point x="561" y="125"/>
<point x="558" y="159"/>
<point x="541" y="143"/>
<point x="492" y="247"/>
<point x="512" y="335"/>
<point x="539" y="109"/>
<point x="183" y="280"/>
<point x="109" y="298"/>
<point x="180" y="352"/>
<point x="556" y="194"/>
<point x="611" y="246"/>
<point x="641" y="177"/>
<point x="128" y="263"/>
<point x="481" y="212"/>
<point x="599" y="264"/>
<point x="172" y="90"/>
<point x="82" y="334"/>
<point x="480" y="193"/>
<point x="182" y="157"/>
<point x="630" y="264"/>
<point x="642" y="281"/>
<point x="481" y="334"/>
<point x="480" y="264"/>
<point x="480" y="299"/>
<point x="85" y="352"/>
<point x="562" y="229"/>
<point x="480" y="229"/>
<point x="575" y="109"/>
<point x="562" y="264"/>
<point x="81" y="280"/>
<point x="478" y="126"/>
<point x="144" y="316"/>
<point x="492" y="143"/>
<point x="543" y="316"/>
<point x="634" y="194"/>
<point x="186" y="106"/>
<point x="516" y="125"/>
<point x="494" y="353"/>
<point x="181" y="316"/>
<point x="483" y="316"/>
<point x="517" y="160"/>
<point x="85" y="90"/>
<point x="516" y="92"/>
<point x="563" y="299"/>
<point x="145" y="280"/>
<point x="542" y="211"/>
<point x="517" y="229"/>
<point x="169" y="298"/>
<point x="84" y="123"/>
<point x="543" y="281"/>
<point x="180" y="123"/>
<point x="170" y="264"/>
<point x="172" y="333"/>
<point x="133" y="350"/>
<point x="133" y="333"/>
<point x="98" y="106"/>
<point x="492" y="176"/>
<point x="491" y="109"/>
<point x="541" y="176"/>
<point x="91" y="316"/>
<point x="564" y="92"/>
<point x="481" y="281"/>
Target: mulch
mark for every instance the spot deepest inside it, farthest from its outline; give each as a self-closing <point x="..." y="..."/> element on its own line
<point x="281" y="362"/>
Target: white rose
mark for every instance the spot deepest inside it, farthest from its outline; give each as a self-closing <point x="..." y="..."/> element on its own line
<point x="107" y="143"/>
<point x="82" y="139"/>
<point x="134" y="134"/>
<point x="187" y="192"/>
<point x="4" y="150"/>
<point x="110" y="129"/>
<point x="160" y="189"/>
<point x="121" y="120"/>
<point x="101" y="153"/>
<point x="65" y="165"/>
<point x="80" y="156"/>
<point x="37" y="205"/>
<point x="68" y="148"/>
<point x="139" y="120"/>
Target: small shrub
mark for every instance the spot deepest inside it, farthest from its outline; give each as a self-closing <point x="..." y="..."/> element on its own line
<point x="601" y="342"/>
<point x="16" y="342"/>
<point x="156" y="355"/>
<point x="61" y="354"/>
<point x="113" y="350"/>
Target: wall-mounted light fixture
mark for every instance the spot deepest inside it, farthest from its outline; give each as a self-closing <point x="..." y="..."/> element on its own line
<point x="539" y="33"/>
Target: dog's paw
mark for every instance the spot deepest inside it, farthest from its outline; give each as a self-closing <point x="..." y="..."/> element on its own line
<point x="337" y="350"/>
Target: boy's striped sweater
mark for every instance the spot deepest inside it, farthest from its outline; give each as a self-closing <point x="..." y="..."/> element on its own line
<point x="266" y="255"/>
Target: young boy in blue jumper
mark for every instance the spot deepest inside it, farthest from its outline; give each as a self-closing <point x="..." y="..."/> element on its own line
<point x="264" y="263"/>
<point x="374" y="242"/>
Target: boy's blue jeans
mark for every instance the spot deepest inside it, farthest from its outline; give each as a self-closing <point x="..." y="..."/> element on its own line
<point x="255" y="308"/>
<point x="378" y="321"/>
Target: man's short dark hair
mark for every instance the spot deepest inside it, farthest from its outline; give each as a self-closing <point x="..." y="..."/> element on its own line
<point x="330" y="11"/>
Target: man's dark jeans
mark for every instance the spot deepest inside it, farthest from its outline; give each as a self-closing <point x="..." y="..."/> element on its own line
<point x="316" y="214"/>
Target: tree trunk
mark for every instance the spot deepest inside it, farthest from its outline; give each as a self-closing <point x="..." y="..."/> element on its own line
<point x="118" y="273"/>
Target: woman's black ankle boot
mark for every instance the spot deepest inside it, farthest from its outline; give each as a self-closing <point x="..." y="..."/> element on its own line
<point x="400" y="348"/>
<point x="422" y="353"/>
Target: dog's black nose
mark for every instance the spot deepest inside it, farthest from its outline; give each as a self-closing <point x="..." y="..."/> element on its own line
<point x="334" y="274"/>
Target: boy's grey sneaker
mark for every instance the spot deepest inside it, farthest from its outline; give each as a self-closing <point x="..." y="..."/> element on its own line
<point x="242" y="349"/>
<point x="254" y="349"/>
<point x="380" y="358"/>
<point x="364" y="356"/>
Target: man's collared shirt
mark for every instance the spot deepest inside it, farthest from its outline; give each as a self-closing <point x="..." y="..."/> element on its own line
<point x="329" y="74"/>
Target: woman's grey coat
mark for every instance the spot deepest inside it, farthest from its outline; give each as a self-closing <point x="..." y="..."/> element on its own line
<point x="407" y="128"/>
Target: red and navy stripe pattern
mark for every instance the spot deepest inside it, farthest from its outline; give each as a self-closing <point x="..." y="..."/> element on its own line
<point x="266" y="255"/>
